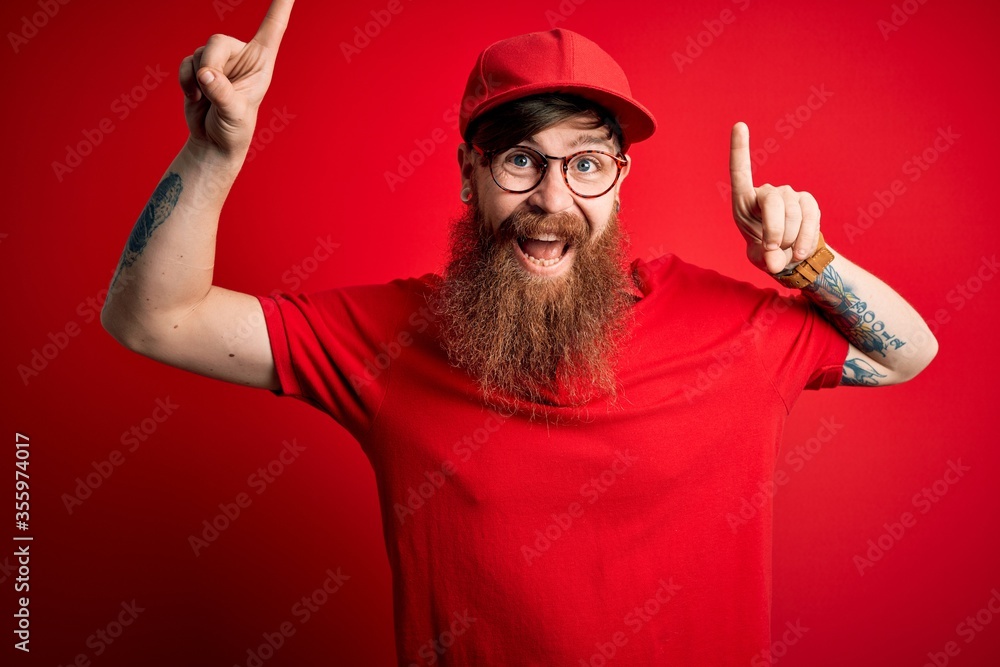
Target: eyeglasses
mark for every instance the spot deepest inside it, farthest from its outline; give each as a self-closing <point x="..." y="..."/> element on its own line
<point x="587" y="173"/>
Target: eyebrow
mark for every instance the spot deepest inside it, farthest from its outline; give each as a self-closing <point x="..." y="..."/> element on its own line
<point x="584" y="139"/>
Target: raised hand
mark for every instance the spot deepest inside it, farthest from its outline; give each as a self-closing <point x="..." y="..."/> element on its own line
<point x="780" y="225"/>
<point x="224" y="82"/>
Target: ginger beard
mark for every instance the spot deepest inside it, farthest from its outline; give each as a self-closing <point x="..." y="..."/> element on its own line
<point x="520" y="334"/>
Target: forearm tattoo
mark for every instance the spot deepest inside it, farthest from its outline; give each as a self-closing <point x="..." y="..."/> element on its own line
<point x="159" y="207"/>
<point x="852" y="317"/>
<point x="858" y="372"/>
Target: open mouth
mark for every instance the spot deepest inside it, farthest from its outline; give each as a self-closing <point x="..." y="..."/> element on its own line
<point x="543" y="249"/>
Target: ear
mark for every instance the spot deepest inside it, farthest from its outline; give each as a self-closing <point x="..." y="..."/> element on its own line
<point x="621" y="176"/>
<point x="467" y="159"/>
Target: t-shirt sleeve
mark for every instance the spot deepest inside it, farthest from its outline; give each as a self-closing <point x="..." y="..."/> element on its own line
<point x="798" y="347"/>
<point x="328" y="349"/>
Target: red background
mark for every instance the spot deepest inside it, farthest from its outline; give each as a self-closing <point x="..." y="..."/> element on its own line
<point x="323" y="174"/>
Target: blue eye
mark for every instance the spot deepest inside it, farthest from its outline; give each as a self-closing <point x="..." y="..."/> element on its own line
<point x="521" y="160"/>
<point x="592" y="165"/>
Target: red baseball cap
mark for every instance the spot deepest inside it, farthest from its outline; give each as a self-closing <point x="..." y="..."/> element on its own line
<point x="557" y="61"/>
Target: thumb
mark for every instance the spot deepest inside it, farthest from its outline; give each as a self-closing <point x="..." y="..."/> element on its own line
<point x="217" y="88"/>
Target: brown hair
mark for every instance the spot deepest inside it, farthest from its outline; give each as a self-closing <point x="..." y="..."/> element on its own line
<point x="511" y="123"/>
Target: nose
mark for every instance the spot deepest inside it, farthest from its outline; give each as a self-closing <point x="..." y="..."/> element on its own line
<point x="552" y="195"/>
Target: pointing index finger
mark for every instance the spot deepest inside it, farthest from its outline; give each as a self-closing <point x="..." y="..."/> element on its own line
<point x="739" y="160"/>
<point x="273" y="26"/>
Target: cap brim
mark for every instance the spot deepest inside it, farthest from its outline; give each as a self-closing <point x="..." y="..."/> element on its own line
<point x="636" y="121"/>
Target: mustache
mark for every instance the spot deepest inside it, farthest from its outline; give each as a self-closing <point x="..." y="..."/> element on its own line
<point x="567" y="226"/>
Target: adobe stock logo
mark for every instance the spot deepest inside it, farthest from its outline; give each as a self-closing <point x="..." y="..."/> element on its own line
<point x="796" y="459"/>
<point x="561" y="13"/>
<point x="959" y="297"/>
<point x="121" y="107"/>
<point x="635" y="620"/>
<point x="229" y="512"/>
<point x="365" y="34"/>
<point x="592" y="490"/>
<point x="300" y="271"/>
<point x="87" y="485"/>
<point x="223" y="7"/>
<point x="102" y="638"/>
<point x="704" y="39"/>
<point x="967" y="629"/>
<point x="779" y="647"/>
<point x="924" y="500"/>
<point x="914" y="168"/>
<point x="900" y="14"/>
<point x="433" y="480"/>
<point x="410" y="160"/>
<point x="303" y="610"/>
<point x="786" y="127"/>
<point x="37" y="21"/>
<point x="436" y="647"/>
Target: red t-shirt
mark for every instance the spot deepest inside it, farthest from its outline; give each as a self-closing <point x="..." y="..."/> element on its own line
<point x="570" y="541"/>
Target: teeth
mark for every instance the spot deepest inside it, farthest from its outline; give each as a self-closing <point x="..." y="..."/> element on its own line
<point x="543" y="262"/>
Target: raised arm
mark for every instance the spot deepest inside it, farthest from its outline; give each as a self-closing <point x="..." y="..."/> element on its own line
<point x="162" y="302"/>
<point x="889" y="341"/>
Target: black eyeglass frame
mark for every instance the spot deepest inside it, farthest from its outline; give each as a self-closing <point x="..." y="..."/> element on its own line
<point x="620" y="161"/>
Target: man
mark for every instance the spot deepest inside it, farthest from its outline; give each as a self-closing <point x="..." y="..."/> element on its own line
<point x="560" y="438"/>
